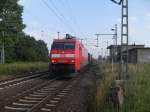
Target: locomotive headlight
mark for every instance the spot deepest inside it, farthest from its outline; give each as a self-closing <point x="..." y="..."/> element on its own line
<point x="72" y="61"/>
<point x="53" y="61"/>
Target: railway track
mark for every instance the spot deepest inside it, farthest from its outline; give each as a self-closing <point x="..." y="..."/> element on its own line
<point x="43" y="98"/>
<point x="18" y="81"/>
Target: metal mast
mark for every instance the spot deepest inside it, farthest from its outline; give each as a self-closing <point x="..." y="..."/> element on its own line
<point x="58" y="35"/>
<point x="2" y="47"/>
<point x="97" y="35"/>
<point x="124" y="38"/>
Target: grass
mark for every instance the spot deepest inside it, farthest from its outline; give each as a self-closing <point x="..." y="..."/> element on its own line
<point x="137" y="89"/>
<point x="105" y="78"/>
<point x="22" y="67"/>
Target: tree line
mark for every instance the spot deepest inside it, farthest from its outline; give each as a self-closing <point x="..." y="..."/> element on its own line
<point x="18" y="45"/>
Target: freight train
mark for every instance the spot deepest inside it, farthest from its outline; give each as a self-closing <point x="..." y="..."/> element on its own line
<point x="68" y="55"/>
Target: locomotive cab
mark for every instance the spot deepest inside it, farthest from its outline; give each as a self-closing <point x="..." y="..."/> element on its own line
<point x="62" y="56"/>
<point x="67" y="55"/>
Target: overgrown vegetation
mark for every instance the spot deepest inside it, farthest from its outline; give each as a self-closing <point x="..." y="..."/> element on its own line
<point x="18" y="45"/>
<point x="16" y="68"/>
<point x="137" y="89"/>
<point x="105" y="78"/>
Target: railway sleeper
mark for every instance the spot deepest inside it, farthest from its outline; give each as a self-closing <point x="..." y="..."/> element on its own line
<point x="54" y="101"/>
<point x="33" y="98"/>
<point x="45" y="89"/>
<point x="40" y="93"/>
<point x="28" y="101"/>
<point x="50" y="105"/>
<point x="46" y="110"/>
<point x="56" y="98"/>
<point x="11" y="109"/>
<point x="37" y="95"/>
<point x="22" y="104"/>
<point x="41" y="90"/>
<point x="60" y="95"/>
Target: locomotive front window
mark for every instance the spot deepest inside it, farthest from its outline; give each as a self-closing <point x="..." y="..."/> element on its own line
<point x="63" y="45"/>
<point x="57" y="46"/>
<point x="69" y="45"/>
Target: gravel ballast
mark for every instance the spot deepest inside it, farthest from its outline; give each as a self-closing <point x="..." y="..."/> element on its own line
<point x="81" y="98"/>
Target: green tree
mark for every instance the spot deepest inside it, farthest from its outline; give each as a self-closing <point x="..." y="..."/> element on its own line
<point x="11" y="15"/>
<point x="18" y="45"/>
<point x="11" y="25"/>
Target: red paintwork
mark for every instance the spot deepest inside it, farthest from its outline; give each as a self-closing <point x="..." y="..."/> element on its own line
<point x="80" y="54"/>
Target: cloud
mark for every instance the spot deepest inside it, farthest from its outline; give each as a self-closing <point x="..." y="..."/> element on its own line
<point x="23" y="2"/>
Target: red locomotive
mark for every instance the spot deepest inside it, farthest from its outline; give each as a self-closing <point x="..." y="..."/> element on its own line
<point x="68" y="55"/>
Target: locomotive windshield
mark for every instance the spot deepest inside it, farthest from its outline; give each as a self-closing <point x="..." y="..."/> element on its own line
<point x="63" y="45"/>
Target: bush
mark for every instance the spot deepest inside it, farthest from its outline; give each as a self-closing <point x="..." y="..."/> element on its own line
<point x="20" y="67"/>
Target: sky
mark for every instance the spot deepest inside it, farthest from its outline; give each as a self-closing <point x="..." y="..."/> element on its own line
<point x="84" y="19"/>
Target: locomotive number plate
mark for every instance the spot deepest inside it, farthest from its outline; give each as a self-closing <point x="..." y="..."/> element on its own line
<point x="61" y="61"/>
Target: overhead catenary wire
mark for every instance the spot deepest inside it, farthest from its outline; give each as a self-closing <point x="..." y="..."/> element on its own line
<point x="73" y="17"/>
<point x="71" y="20"/>
<point x="62" y="16"/>
<point x="38" y="20"/>
<point x="54" y="9"/>
<point x="57" y="15"/>
<point x="69" y="11"/>
<point x="46" y="28"/>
